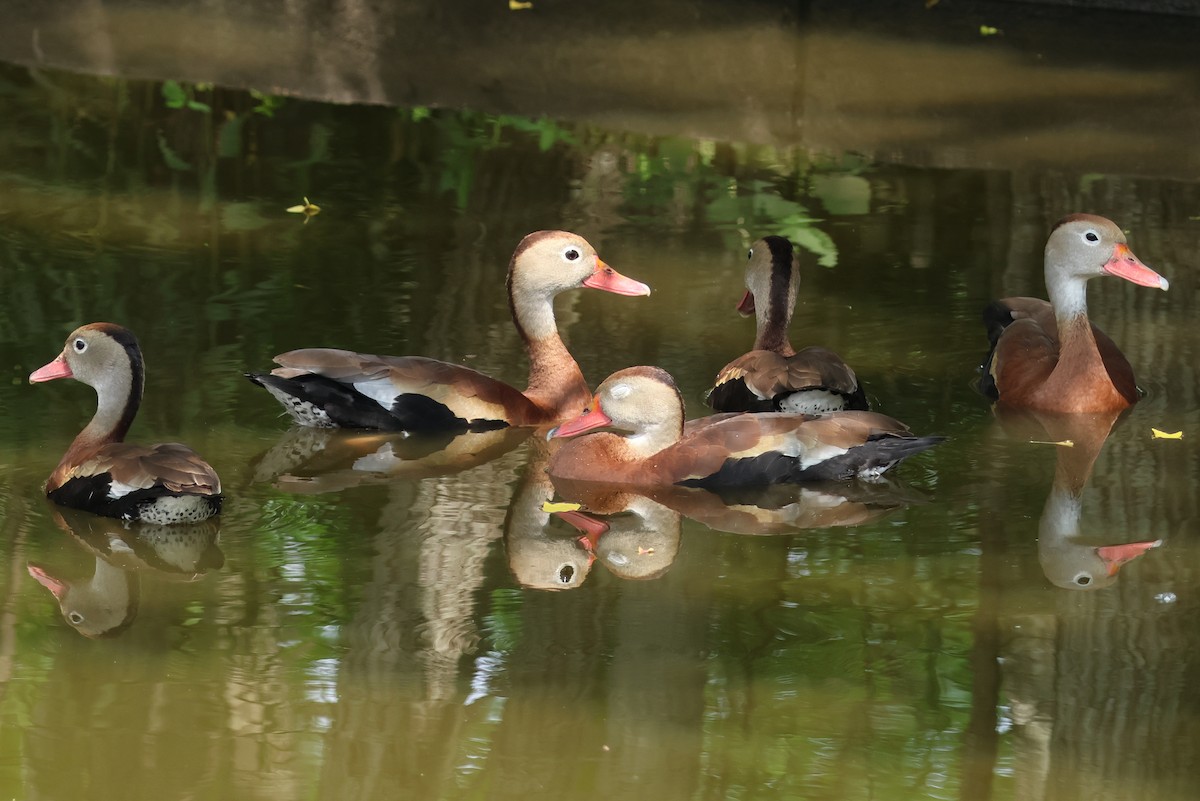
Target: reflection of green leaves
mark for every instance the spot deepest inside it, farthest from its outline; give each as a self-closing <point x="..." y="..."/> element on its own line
<point x="815" y="241"/>
<point x="176" y="96"/>
<point x="170" y="157"/>
<point x="503" y="626"/>
<point x="267" y="104"/>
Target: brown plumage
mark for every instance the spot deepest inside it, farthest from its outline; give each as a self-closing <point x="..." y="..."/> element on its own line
<point x="648" y="444"/>
<point x="774" y="376"/>
<point x="1047" y="356"/>
<point x="166" y="483"/>
<point x="330" y="388"/>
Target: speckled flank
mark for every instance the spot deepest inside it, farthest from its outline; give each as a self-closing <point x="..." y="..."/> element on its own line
<point x="174" y="509"/>
<point x="303" y="412"/>
<point x="812" y="401"/>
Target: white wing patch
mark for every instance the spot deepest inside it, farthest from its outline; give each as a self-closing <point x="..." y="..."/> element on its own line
<point x="381" y="390"/>
<point x="118" y="490"/>
<point x="822" y="453"/>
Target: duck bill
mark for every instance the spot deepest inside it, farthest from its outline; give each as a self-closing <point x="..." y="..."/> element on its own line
<point x="48" y="581"/>
<point x="745" y="306"/>
<point x="590" y="527"/>
<point x="1114" y="556"/>
<point x="1124" y="264"/>
<point x="55" y="369"/>
<point x="589" y="420"/>
<point x="609" y="280"/>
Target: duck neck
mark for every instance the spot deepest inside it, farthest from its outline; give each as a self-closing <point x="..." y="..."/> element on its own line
<point x="1077" y="344"/>
<point x="118" y="397"/>
<point x="772" y="322"/>
<point x="555" y="380"/>
<point x="656" y="436"/>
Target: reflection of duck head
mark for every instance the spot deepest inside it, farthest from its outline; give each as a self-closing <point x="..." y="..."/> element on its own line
<point x="542" y="554"/>
<point x="317" y="460"/>
<point x="633" y="536"/>
<point x="103" y="605"/>
<point x="106" y="604"/>
<point x="1067" y="558"/>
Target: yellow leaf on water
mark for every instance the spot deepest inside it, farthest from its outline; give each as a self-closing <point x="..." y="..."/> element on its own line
<point x="518" y="5"/>
<point x="1065" y="443"/>
<point x="1156" y="434"/>
<point x="548" y="506"/>
<point x="308" y="209"/>
<point x="988" y="30"/>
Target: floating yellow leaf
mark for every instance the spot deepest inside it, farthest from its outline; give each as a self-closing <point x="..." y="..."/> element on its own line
<point x="518" y="5"/>
<point x="1064" y="443"/>
<point x="308" y="209"/>
<point x="1154" y="432"/>
<point x="988" y="30"/>
<point x="547" y="506"/>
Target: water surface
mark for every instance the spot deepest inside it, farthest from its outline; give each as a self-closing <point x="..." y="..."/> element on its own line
<point x="389" y="636"/>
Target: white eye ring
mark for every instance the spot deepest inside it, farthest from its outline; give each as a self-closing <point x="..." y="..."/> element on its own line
<point x="619" y="391"/>
<point x="80" y="345"/>
<point x="750" y="254"/>
<point x="75" y="618"/>
<point x="572" y="253"/>
<point x="1091" y="237"/>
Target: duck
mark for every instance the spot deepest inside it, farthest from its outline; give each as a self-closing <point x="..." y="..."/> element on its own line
<point x="647" y="444"/>
<point x="333" y="388"/>
<point x="1047" y="356"/>
<point x="774" y="376"/>
<point x="165" y="484"/>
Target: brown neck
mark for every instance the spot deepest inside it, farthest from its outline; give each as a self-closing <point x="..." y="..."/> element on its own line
<point x="1079" y="362"/>
<point x="556" y="384"/>
<point x="118" y="397"/>
<point x="772" y="336"/>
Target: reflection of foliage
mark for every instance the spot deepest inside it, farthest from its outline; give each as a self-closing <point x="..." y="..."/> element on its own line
<point x="177" y="95"/>
<point x="503" y="624"/>
<point x="744" y="203"/>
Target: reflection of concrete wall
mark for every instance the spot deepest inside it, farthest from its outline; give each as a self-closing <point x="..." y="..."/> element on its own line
<point x="1097" y="91"/>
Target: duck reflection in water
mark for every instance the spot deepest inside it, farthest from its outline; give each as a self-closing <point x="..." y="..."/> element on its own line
<point x="1069" y="557"/>
<point x="316" y="460"/>
<point x="105" y="603"/>
<point x="637" y="534"/>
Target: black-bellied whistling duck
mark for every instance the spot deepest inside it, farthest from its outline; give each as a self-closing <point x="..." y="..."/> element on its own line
<point x="1047" y="356"/>
<point x="329" y="388"/>
<point x="775" y="377"/>
<point x="100" y="473"/>
<point x="648" y="444"/>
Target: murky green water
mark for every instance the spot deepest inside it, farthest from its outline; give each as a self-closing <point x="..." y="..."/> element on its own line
<point x="351" y="635"/>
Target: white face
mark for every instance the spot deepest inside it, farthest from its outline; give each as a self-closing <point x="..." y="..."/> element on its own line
<point x="556" y="263"/>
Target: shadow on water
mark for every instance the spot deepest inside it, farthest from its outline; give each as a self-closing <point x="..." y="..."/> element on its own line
<point x="368" y="634"/>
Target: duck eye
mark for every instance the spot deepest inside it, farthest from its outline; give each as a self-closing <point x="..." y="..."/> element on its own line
<point x="572" y="254"/>
<point x="1092" y="236"/>
<point x="79" y="345"/>
<point x="1083" y="579"/>
<point x="566" y="573"/>
<point x="619" y="391"/>
<point x="750" y="254"/>
<point x="75" y="618"/>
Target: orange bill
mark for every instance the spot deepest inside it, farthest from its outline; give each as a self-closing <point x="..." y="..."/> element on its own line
<point x="55" y="369"/>
<point x="1123" y="264"/>
<point x="608" y="279"/>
